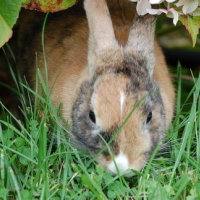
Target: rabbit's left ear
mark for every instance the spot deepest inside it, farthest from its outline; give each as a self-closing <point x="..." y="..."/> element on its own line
<point x="101" y="33"/>
<point x="141" y="39"/>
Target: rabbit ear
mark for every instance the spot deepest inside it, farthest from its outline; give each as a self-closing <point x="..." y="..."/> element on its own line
<point x="141" y="39"/>
<point x="101" y="33"/>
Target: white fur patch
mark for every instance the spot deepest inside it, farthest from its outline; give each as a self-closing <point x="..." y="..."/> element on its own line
<point x="122" y="99"/>
<point x="122" y="164"/>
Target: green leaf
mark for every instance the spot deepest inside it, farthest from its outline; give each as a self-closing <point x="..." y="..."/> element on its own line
<point x="169" y="189"/>
<point x="192" y="197"/>
<point x="25" y="1"/>
<point x="5" y="32"/>
<point x="9" y="134"/>
<point x="25" y="152"/>
<point x="46" y="5"/>
<point x="111" y="194"/>
<point x="20" y="143"/>
<point x="107" y="177"/>
<point x="33" y="125"/>
<point x="9" y="10"/>
<point x="3" y="192"/>
<point x="192" y="24"/>
<point x="25" y="194"/>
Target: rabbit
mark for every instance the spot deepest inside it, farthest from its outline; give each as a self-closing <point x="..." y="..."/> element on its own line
<point x="105" y="59"/>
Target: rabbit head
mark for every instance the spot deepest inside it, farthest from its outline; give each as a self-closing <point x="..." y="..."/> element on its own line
<point x="120" y="102"/>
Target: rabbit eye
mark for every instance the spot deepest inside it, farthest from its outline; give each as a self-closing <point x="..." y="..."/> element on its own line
<point x="149" y="117"/>
<point x="92" y="116"/>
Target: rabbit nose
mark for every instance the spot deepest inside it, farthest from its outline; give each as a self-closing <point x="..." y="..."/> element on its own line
<point x="122" y="163"/>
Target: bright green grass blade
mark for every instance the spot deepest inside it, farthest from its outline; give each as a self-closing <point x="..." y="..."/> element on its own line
<point x="10" y="126"/>
<point x="91" y="184"/>
<point x="18" y="153"/>
<point x="182" y="184"/>
<point x="15" y="183"/>
<point x="178" y="99"/>
<point x="43" y="49"/>
<point x="198" y="138"/>
<point x="34" y="93"/>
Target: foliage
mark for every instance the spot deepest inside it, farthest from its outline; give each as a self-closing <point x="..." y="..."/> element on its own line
<point x="187" y="11"/>
<point x="48" y="6"/>
<point x="9" y="12"/>
<point x="192" y="24"/>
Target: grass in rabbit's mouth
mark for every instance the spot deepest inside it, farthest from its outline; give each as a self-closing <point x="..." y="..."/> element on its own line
<point x="37" y="160"/>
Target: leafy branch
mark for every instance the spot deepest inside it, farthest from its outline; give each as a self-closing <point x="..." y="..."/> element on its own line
<point x="9" y="12"/>
<point x="187" y="11"/>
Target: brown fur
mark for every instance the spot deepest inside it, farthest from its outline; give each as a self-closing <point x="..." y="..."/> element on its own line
<point x="66" y="48"/>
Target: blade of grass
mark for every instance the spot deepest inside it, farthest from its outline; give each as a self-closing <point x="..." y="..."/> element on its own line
<point x="188" y="130"/>
<point x="15" y="183"/>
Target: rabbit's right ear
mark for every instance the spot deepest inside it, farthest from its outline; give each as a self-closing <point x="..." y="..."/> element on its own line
<point x="101" y="33"/>
<point x="141" y="39"/>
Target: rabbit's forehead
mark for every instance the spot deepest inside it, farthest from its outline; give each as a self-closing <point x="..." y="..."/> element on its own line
<point x="112" y="101"/>
<point x="118" y="88"/>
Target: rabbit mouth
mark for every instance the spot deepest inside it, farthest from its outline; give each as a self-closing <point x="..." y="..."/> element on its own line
<point x="127" y="173"/>
<point x="120" y="165"/>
